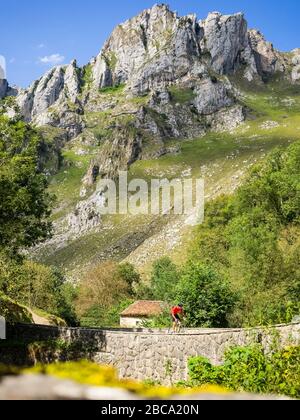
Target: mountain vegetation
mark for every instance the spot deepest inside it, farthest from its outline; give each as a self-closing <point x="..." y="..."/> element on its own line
<point x="167" y="97"/>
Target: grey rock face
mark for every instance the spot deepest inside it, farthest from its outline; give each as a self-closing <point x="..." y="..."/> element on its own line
<point x="87" y="214"/>
<point x="149" y="53"/>
<point x="3" y="88"/>
<point x="6" y="90"/>
<point x="296" y="65"/>
<point x="72" y="82"/>
<point x="121" y="151"/>
<point x="211" y="97"/>
<point x="47" y="101"/>
<point x="268" y="60"/>
<point x="225" y="38"/>
<point x="132" y="44"/>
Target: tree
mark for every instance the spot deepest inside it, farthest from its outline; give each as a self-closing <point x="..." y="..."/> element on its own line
<point x="164" y="279"/>
<point x="24" y="201"/>
<point x="128" y="273"/>
<point x="38" y="287"/>
<point x="206" y="296"/>
<point x="101" y="288"/>
<point x="252" y="237"/>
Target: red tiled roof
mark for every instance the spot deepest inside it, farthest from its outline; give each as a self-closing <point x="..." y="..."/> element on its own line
<point x="144" y="308"/>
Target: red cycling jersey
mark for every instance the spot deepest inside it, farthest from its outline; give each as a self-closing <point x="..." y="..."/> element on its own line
<point x="176" y="310"/>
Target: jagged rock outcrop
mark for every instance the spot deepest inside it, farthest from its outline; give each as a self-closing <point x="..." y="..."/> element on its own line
<point x="149" y="53"/>
<point x="158" y="77"/>
<point x="53" y="100"/>
<point x="87" y="214"/>
<point x="225" y="40"/>
<point x="3" y="88"/>
<point x="296" y="65"/>
<point x="119" y="153"/>
<point x="268" y="60"/>
<point x="6" y="90"/>
<point x="158" y="47"/>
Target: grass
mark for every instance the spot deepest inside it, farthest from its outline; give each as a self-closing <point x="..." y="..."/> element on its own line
<point x="87" y="77"/>
<point x="113" y="90"/>
<point x="53" y="319"/>
<point x="181" y="95"/>
<point x="67" y="183"/>
<point x="221" y="158"/>
<point x="13" y="311"/>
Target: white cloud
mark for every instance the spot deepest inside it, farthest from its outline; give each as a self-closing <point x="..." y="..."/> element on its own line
<point x="2" y="67"/>
<point x="41" y="46"/>
<point x="51" y="60"/>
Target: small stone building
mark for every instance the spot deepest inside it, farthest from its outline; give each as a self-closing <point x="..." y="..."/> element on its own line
<point x="141" y="311"/>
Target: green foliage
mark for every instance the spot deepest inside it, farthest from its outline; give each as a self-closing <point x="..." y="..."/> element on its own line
<point x="112" y="90"/>
<point x="128" y="273"/>
<point x="164" y="279"/>
<point x="160" y="321"/>
<point x="249" y="369"/>
<point x="24" y="202"/>
<point x="103" y="294"/>
<point x="253" y="239"/>
<point x="87" y="77"/>
<point x="12" y="311"/>
<point x="202" y="372"/>
<point x="36" y="286"/>
<point x="66" y="303"/>
<point x="97" y="316"/>
<point x="206" y="296"/>
<point x="181" y="95"/>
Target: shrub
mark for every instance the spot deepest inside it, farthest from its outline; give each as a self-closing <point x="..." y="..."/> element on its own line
<point x="128" y="273"/>
<point x="101" y="289"/>
<point x="36" y="286"/>
<point x="164" y="279"/>
<point x="98" y="316"/>
<point x="12" y="311"/>
<point x="250" y="369"/>
<point x="206" y="296"/>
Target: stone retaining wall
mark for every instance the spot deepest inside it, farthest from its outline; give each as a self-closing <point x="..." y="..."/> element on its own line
<point x="147" y="354"/>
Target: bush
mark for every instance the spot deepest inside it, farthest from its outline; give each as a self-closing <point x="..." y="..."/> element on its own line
<point x="101" y="289"/>
<point x="128" y="273"/>
<point x="206" y="296"/>
<point x="36" y="286"/>
<point x="252" y="237"/>
<point x="164" y="279"/>
<point x="249" y="369"/>
<point x="98" y="316"/>
<point x="13" y="312"/>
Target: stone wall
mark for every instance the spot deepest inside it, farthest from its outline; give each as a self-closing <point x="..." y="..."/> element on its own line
<point x="144" y="354"/>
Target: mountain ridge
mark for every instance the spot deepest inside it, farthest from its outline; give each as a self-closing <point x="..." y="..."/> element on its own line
<point x="159" y="80"/>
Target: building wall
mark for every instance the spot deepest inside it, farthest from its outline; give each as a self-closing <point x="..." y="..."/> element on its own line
<point x="143" y="354"/>
<point x="126" y="322"/>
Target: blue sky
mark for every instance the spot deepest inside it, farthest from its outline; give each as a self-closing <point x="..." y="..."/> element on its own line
<point x="34" y="34"/>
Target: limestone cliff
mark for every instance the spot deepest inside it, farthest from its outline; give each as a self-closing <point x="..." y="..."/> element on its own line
<point x="150" y="54"/>
<point x="159" y="76"/>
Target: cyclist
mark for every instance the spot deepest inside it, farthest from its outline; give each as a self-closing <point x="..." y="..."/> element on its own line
<point x="177" y="313"/>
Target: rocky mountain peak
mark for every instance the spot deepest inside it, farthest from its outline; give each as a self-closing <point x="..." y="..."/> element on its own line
<point x="268" y="60"/>
<point x="151" y="53"/>
<point x="158" y="77"/>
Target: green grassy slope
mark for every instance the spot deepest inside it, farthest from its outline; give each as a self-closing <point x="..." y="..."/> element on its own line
<point x="221" y="158"/>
